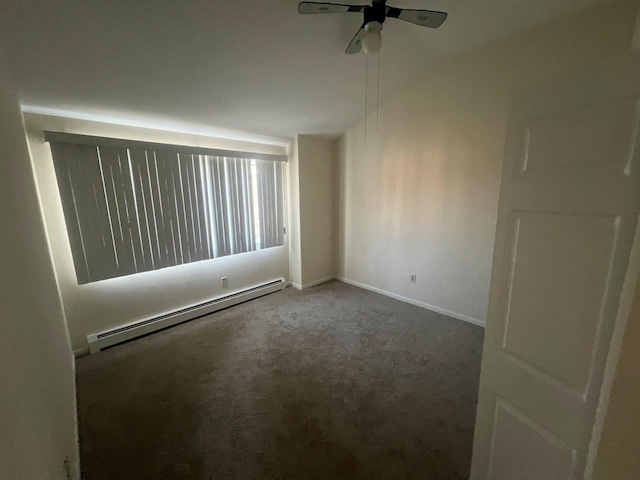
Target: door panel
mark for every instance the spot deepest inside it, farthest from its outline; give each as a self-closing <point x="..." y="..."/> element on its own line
<point x="557" y="336"/>
<point x="576" y="141"/>
<point x="569" y="205"/>
<point x="516" y="436"/>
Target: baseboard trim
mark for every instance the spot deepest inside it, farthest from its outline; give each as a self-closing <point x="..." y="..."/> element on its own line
<point x="426" y="306"/>
<point x="318" y="282"/>
<point x="100" y="340"/>
<point x="81" y="352"/>
<point x="297" y="286"/>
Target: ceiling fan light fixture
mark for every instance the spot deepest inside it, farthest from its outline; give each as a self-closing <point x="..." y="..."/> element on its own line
<point x="372" y="40"/>
<point x="368" y="35"/>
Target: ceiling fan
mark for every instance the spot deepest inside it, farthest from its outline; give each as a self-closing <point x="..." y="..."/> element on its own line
<point x="368" y="37"/>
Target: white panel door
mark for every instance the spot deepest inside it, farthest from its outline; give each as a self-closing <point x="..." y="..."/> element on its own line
<point x="569" y="205"/>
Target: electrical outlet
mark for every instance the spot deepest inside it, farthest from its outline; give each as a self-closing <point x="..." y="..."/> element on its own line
<point x="223" y="280"/>
<point x="414" y="278"/>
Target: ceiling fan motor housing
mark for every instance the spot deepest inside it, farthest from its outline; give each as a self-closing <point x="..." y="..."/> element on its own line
<point x="375" y="13"/>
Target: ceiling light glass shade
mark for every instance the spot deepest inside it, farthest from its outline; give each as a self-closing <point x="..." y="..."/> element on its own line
<point x="372" y="41"/>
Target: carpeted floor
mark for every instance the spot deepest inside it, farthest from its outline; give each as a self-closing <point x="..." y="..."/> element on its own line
<point x="334" y="382"/>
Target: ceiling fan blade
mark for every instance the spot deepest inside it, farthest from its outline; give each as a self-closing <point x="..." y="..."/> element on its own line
<point x="426" y="18"/>
<point x="321" y="7"/>
<point x="356" y="43"/>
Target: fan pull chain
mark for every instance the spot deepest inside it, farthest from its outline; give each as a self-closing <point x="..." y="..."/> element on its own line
<point x="366" y="94"/>
<point x="378" y="95"/>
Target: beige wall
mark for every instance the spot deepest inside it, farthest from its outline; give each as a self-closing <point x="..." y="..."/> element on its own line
<point x="313" y="189"/>
<point x="97" y="306"/>
<point x="618" y="453"/>
<point x="37" y="379"/>
<point x="317" y="185"/>
<point x="420" y="194"/>
<point x="295" y="256"/>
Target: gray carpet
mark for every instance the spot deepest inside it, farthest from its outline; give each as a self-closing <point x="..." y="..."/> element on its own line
<point x="334" y="382"/>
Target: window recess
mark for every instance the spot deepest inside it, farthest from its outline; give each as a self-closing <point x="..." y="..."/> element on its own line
<point x="133" y="206"/>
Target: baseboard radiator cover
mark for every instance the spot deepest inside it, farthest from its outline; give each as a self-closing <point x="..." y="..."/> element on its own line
<point x="107" y="338"/>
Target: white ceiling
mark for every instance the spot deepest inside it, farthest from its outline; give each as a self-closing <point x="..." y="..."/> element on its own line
<point x="247" y="65"/>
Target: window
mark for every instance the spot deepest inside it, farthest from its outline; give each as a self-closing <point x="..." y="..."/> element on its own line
<point x="134" y="206"/>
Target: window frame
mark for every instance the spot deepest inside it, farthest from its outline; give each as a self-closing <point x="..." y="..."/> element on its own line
<point x="58" y="138"/>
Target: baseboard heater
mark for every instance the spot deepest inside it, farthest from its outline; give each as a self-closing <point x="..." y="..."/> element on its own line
<point x="107" y="338"/>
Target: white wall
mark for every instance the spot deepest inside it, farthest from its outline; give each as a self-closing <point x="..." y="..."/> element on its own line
<point x="37" y="378"/>
<point x="295" y="255"/>
<point x="620" y="435"/>
<point x="317" y="193"/>
<point x="109" y="303"/>
<point x="313" y="190"/>
<point x="420" y="194"/>
<point x="617" y="456"/>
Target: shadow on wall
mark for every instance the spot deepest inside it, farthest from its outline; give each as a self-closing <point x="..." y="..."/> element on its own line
<point x="420" y="195"/>
<point x="37" y="411"/>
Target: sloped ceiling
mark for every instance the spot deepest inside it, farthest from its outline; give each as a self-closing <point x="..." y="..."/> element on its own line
<point x="247" y="65"/>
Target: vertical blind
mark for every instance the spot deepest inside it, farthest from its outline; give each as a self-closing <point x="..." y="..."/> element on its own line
<point x="133" y="207"/>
